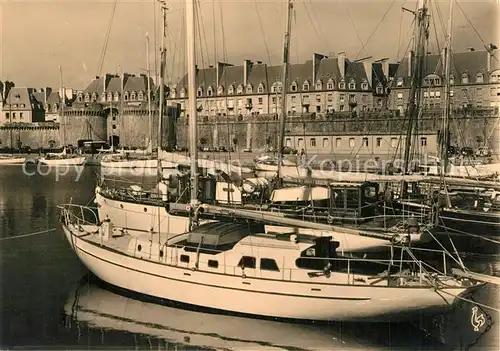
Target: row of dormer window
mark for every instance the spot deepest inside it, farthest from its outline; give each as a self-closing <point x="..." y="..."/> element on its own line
<point x="127" y="96"/>
<point x="435" y="80"/>
<point x="275" y="88"/>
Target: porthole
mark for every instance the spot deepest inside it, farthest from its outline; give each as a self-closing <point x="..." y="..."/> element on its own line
<point x="121" y="206"/>
<point x="139" y="247"/>
<point x="161" y="253"/>
<point x="145" y="209"/>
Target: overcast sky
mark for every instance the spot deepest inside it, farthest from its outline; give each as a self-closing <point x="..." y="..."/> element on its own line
<point x="38" y="35"/>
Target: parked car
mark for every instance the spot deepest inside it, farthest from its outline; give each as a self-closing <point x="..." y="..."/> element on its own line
<point x="467" y="151"/>
<point x="483" y="152"/>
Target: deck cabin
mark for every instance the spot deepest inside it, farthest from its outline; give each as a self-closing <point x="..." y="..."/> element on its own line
<point x="353" y="202"/>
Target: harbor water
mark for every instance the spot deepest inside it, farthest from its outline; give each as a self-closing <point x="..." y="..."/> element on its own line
<point x="49" y="300"/>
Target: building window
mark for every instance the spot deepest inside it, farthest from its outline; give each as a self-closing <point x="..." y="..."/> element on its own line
<point x="342" y="99"/>
<point x="268" y="264"/>
<point x="293" y="87"/>
<point x="313" y="142"/>
<point x="423" y="141"/>
<point x="399" y="82"/>
<point x="352" y="85"/>
<point x="300" y="143"/>
<point x="305" y="86"/>
<point x="451" y="92"/>
<point x="260" y="89"/>
<point x="364" y="98"/>
<point x="318" y="98"/>
<point x="465" y="78"/>
<point x="140" y="96"/>
<point x="20" y="115"/>
<point x="117" y="97"/>
<point x="394" y="142"/>
<point x="325" y="142"/>
<point x="352" y="142"/>
<point x="273" y="100"/>
<point x="431" y="94"/>
<point x="330" y="85"/>
<point x="199" y="92"/>
<point x="338" y="142"/>
<point x="319" y="85"/>
<point x="249" y="89"/>
<point x="278" y="85"/>
<point x="273" y="88"/>
<point x="210" y="91"/>
<point x="114" y="126"/>
<point x="341" y="108"/>
<point x="479" y="78"/>
<point x="230" y="90"/>
<point x="400" y="96"/>
<point x="247" y="262"/>
<point x="438" y="94"/>
<point x="261" y="101"/>
<point x="183" y="93"/>
<point x="13" y="115"/>
<point x="329" y="97"/>
<point x="452" y="80"/>
<point x="288" y="142"/>
<point x="426" y="94"/>
<point x="364" y="86"/>
<point x="133" y="96"/>
<point x="7" y="115"/>
<point x="365" y="142"/>
<point x="342" y="85"/>
<point x="239" y="90"/>
<point x="379" y="89"/>
<point x="379" y="142"/>
<point x="493" y="92"/>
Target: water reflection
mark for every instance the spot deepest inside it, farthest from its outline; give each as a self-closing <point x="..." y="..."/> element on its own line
<point x="96" y="305"/>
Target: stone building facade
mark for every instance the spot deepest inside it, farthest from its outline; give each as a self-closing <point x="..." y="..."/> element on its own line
<point x="321" y="86"/>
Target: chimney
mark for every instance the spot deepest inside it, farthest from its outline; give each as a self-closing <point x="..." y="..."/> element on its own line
<point x="220" y="70"/>
<point x="490" y="48"/>
<point x="316" y="61"/>
<point x="341" y="61"/>
<point x="367" y="64"/>
<point x="247" y="65"/>
<point x="410" y="62"/>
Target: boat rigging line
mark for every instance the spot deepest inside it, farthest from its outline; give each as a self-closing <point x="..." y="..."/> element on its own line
<point x="106" y="40"/>
<point x="28" y="235"/>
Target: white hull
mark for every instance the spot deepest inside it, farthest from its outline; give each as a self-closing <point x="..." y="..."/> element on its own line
<point x="319" y="299"/>
<point x="71" y="161"/>
<point x="137" y="164"/>
<point x="477" y="171"/>
<point x="12" y="160"/>
<point x="144" y="217"/>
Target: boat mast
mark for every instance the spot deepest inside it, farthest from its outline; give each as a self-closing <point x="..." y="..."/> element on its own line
<point x="417" y="63"/>
<point x="162" y="85"/>
<point x="150" y="124"/>
<point x="445" y="134"/>
<point x="191" y="72"/>
<point x="63" y="95"/>
<point x="284" y="85"/>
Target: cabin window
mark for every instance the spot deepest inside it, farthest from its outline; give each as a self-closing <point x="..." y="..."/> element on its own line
<point x="268" y="264"/>
<point x="247" y="262"/>
<point x="313" y="142"/>
<point x="213" y="264"/>
<point x="185" y="258"/>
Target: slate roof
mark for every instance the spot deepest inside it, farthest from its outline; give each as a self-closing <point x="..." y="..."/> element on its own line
<point x="138" y="83"/>
<point x="470" y="62"/>
<point x="22" y="95"/>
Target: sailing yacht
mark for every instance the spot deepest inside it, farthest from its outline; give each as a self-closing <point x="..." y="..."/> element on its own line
<point x="251" y="272"/>
<point x="63" y="158"/>
<point x="6" y="160"/>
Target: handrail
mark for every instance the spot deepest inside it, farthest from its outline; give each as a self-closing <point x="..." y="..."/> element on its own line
<point x="66" y="210"/>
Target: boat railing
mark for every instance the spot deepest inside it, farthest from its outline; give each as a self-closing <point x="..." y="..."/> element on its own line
<point x="78" y="214"/>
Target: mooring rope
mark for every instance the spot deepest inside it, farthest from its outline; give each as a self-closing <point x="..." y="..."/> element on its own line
<point x="29" y="234"/>
<point x="469" y="300"/>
